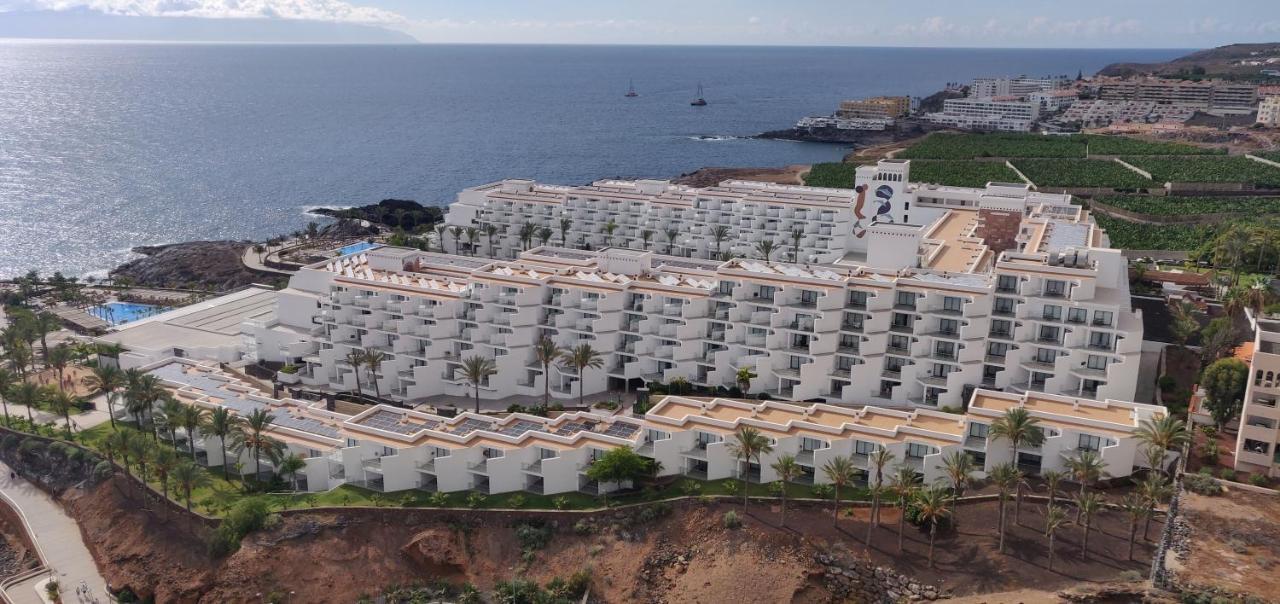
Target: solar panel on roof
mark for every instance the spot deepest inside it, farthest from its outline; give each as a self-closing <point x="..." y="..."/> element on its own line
<point x="621" y="430"/>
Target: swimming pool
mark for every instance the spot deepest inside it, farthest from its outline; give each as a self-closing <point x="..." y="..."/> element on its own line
<point x="356" y="248"/>
<point x="119" y="313"/>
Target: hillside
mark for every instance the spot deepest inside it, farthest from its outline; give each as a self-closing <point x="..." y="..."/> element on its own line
<point x="1222" y="62"/>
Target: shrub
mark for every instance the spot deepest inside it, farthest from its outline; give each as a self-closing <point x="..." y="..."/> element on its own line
<point x="690" y="487"/>
<point x="822" y="491"/>
<point x="1130" y="575"/>
<point x="475" y="500"/>
<point x="1226" y="474"/>
<point x="533" y="535"/>
<point x="438" y="500"/>
<point x="653" y="512"/>
<point x="9" y="441"/>
<point x="1211" y="453"/>
<point x="1202" y="484"/>
<point x="732" y="487"/>
<point x="731" y="520"/>
<point x="560" y="503"/>
<point x="244" y="517"/>
<point x="517" y="501"/>
<point x="1167" y="383"/>
<point x="31" y="446"/>
<point x="289" y="369"/>
<point x="775" y="488"/>
<point x="582" y="527"/>
<point x="103" y="470"/>
<point x="1259" y="480"/>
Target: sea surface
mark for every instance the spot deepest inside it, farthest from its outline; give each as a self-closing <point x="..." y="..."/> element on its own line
<point x="108" y="146"/>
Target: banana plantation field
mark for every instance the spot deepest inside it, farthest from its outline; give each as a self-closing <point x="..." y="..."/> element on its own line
<point x="1135" y="236"/>
<point x="1208" y="170"/>
<point x="1080" y="173"/>
<point x="1271" y="155"/>
<point x="961" y="173"/>
<point x="1192" y="206"/>
<point x="940" y="145"/>
<point x="834" y="175"/>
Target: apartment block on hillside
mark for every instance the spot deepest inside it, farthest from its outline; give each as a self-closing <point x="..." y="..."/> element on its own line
<point x="1258" y="443"/>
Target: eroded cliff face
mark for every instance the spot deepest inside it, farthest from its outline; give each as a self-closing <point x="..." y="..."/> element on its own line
<point x="195" y="264"/>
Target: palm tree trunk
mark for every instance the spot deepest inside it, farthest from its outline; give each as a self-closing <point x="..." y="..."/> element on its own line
<point x="784" y="503"/>
<point x="1000" y="523"/>
<point x="835" y="507"/>
<point x="188" y="490"/>
<point x="1084" y="544"/>
<point x="111" y="411"/>
<point x="746" y="469"/>
<point x="1146" y="528"/>
<point x="581" y="386"/>
<point x="1050" y="551"/>
<point x="225" y="462"/>
<point x="546" y="386"/>
<point x="1133" y="534"/>
<point x="1017" y="506"/>
<point x="902" y="522"/>
<point x="477" y="393"/>
<point x="66" y="416"/>
<point x="6" y="412"/>
<point x="933" y="531"/>
<point x="257" y="465"/>
<point x="871" y="519"/>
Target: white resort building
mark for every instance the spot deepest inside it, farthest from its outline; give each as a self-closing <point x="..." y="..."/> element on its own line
<point x="1258" y="441"/>
<point x="387" y="448"/>
<point x="902" y="294"/>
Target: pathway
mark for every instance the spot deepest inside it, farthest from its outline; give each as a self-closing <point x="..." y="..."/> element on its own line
<point x="57" y="538"/>
<point x="79" y="422"/>
<point x="252" y="260"/>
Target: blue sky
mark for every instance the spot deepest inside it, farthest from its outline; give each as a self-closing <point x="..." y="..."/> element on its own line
<point x="998" y="23"/>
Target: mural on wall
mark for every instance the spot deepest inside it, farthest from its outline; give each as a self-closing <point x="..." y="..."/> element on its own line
<point x="884" y="199"/>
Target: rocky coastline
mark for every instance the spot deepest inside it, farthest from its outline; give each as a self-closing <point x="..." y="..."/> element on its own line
<point x="905" y="129"/>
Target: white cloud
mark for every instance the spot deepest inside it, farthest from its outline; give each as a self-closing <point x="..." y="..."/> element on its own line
<point x="313" y="10"/>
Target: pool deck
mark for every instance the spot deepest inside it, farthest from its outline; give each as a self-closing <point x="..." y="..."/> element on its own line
<point x="81" y="319"/>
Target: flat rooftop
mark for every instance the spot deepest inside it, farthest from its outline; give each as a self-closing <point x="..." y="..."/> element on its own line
<point x="210" y="324"/>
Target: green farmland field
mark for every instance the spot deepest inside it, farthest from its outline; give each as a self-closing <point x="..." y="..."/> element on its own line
<point x="961" y="173"/>
<point x="1123" y="145"/>
<point x="1080" y="173"/>
<point x="835" y="175"/>
<point x="1208" y="170"/>
<point x="1136" y="236"/>
<point x="941" y="145"/>
<point x="1191" y="206"/>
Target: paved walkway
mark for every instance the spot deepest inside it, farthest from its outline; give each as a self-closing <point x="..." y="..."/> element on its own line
<point x="251" y="259"/>
<point x="58" y="539"/>
<point x="83" y="421"/>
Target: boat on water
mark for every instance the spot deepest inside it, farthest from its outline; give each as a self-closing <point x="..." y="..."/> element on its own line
<point x="700" y="101"/>
<point x="631" y="90"/>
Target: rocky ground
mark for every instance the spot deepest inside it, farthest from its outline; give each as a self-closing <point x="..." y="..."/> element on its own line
<point x="1228" y="544"/>
<point x="213" y="265"/>
<point x="707" y="177"/>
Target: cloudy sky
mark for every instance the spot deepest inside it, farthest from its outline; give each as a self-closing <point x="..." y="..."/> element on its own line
<point x="985" y="23"/>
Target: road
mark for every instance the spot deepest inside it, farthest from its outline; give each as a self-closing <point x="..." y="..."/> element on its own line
<point x="58" y="540"/>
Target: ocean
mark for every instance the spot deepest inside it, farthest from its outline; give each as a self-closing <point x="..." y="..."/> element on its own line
<point x="107" y="146"/>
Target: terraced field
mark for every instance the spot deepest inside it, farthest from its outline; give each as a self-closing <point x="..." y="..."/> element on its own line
<point x="941" y="145"/>
<point x="1135" y="236"/>
<point x="834" y="175"/>
<point x="1080" y="173"/>
<point x="1121" y="145"/>
<point x="1208" y="170"/>
<point x="1192" y="206"/>
<point x="961" y="173"/>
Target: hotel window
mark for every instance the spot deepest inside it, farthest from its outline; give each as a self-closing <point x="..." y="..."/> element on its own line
<point x="1088" y="442"/>
<point x="1096" y="362"/>
<point x="1046" y="355"/>
<point x="902" y="320"/>
<point x="1055" y="288"/>
<point x="1077" y="315"/>
<point x="1102" y="318"/>
<point x="917" y="450"/>
<point x="849" y="341"/>
<point x="948" y="326"/>
<point x="795" y="362"/>
<point x="1098" y="339"/>
<point x="811" y="444"/>
<point x="907" y="299"/>
<point x="1001" y="328"/>
<point x="951" y="303"/>
<point x="844" y="363"/>
<point x="1004" y="306"/>
<point x="1052" y="312"/>
<point x="862" y="447"/>
<point x="766" y="292"/>
<point x="998" y="349"/>
<point x="899" y="342"/>
<point x="1048" y="333"/>
<point x="857" y="299"/>
<point x="1007" y="283"/>
<point x="726" y="287"/>
<point x="979" y="430"/>
<point x="946" y="350"/>
<point x="853" y="321"/>
<point x="808" y="297"/>
<point x="893" y="364"/>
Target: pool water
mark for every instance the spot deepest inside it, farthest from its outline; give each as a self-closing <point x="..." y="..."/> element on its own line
<point x="356" y="248"/>
<point x="119" y="313"/>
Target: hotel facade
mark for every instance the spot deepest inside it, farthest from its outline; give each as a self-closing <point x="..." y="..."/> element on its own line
<point x="1258" y="441"/>
<point x="903" y="294"/>
<point x="386" y="448"/>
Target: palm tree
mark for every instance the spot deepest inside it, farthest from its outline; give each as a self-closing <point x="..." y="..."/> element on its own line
<point x="766" y="248"/>
<point x="108" y="380"/>
<point x="28" y="395"/>
<point x="840" y="473"/>
<point x="164" y="461"/>
<point x="904" y="484"/>
<point x="1087" y="504"/>
<point x="170" y="416"/>
<point x="62" y="403"/>
<point x="544" y="235"/>
<point x="373" y="359"/>
<point x="1054" y="518"/>
<point x="46" y="323"/>
<point x="1006" y="478"/>
<point x="748" y="444"/>
<point x="1230" y="250"/>
<point x="476" y="371"/>
<point x="146" y="392"/>
<point x="645" y="236"/>
<point x="456" y="232"/>
<point x="290" y="465"/>
<point x="252" y="435"/>
<point x="796" y="236"/>
<point x="118" y="443"/>
<point x="440" y="231"/>
<point x="719" y="234"/>
<point x="1021" y="430"/>
<point x="7" y="381"/>
<point x="609" y="228"/>
<point x="1164" y="432"/>
<point x="565" y="225"/>
<point x="1136" y="508"/>
<point x="787" y="470"/>
<point x="1154" y="490"/>
<point x="190" y="418"/>
<point x="489" y="231"/>
<point x="140" y="449"/>
<point x="1052" y="479"/>
<point x="931" y="505"/>
<point x="671" y="239"/>
<point x="221" y="424"/>
<point x="879" y="459"/>
<point x="743" y="377"/>
<point x="355" y="358"/>
<point x="472" y="235"/>
<point x="1086" y="468"/>
<point x="547" y="352"/>
<point x="959" y="468"/>
<point x="581" y="358"/>
<point x="189" y="477"/>
<point x="59" y="358"/>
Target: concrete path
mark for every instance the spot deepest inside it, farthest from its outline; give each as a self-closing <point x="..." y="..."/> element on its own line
<point x="251" y="260"/>
<point x="82" y="421"/>
<point x="58" y="540"/>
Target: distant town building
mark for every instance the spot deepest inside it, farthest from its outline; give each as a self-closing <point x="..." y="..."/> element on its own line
<point x="879" y="107"/>
<point x="985" y="88"/>
<point x="1054" y="100"/>
<point x="1100" y="113"/>
<point x="987" y="114"/>
<point x="1269" y="112"/>
<point x="1211" y="96"/>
